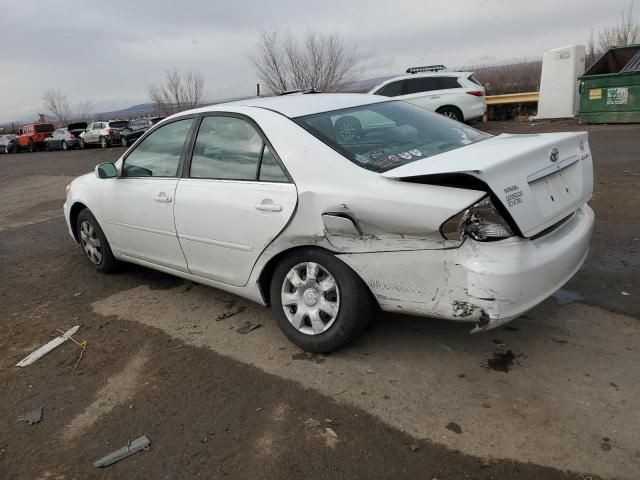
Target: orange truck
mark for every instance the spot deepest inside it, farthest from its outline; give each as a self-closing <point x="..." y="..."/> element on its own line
<point x="31" y="137"/>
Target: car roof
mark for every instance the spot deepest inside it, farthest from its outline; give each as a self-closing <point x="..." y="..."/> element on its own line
<point x="440" y="73"/>
<point x="299" y="104"/>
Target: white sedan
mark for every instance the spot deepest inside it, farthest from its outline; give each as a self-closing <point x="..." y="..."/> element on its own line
<point x="272" y="200"/>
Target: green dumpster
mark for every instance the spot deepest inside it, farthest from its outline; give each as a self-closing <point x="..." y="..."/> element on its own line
<point x="610" y="89"/>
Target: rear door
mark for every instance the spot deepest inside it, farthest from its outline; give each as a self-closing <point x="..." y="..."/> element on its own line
<point x="423" y="92"/>
<point x="234" y="199"/>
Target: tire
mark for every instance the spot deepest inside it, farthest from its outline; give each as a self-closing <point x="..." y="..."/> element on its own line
<point x="47" y="148"/>
<point x="124" y="142"/>
<point x="31" y="147"/>
<point x="348" y="128"/>
<point x="453" y="113"/>
<point x="64" y="145"/>
<point x="104" y="143"/>
<point x="348" y="305"/>
<point x="81" y="144"/>
<point x="94" y="244"/>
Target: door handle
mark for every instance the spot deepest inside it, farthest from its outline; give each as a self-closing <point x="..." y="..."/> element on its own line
<point x="268" y="207"/>
<point x="163" y="198"/>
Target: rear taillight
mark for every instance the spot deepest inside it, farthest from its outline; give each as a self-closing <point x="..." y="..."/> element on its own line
<point x="108" y="131"/>
<point x="476" y="93"/>
<point x="71" y="135"/>
<point x="481" y="221"/>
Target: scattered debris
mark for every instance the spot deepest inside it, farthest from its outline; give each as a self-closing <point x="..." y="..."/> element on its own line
<point x="502" y="361"/>
<point x="414" y="447"/>
<point x="626" y="294"/>
<point x="328" y="420"/>
<point x="247" y="327"/>
<point x="606" y="445"/>
<point x="454" y="427"/>
<point x="560" y="340"/>
<point x="259" y="409"/>
<point x="175" y="348"/>
<point x="230" y="314"/>
<point x="42" y="351"/>
<point x="311" y="423"/>
<point x="461" y="375"/>
<point x="631" y="173"/>
<point x="135" y="446"/>
<point x="311" y="357"/>
<point x="331" y="432"/>
<point x="77" y="294"/>
<point x="32" y="416"/>
<point x="339" y="393"/>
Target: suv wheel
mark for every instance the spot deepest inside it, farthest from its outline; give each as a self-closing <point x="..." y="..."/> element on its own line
<point x="104" y="143"/>
<point x="31" y="147"/>
<point x="451" y="112"/>
<point x="319" y="303"/>
<point x="81" y="144"/>
<point x="123" y="141"/>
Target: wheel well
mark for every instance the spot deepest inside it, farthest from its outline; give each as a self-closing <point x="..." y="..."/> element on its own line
<point x="439" y="109"/>
<point x="264" y="281"/>
<point x="76" y="208"/>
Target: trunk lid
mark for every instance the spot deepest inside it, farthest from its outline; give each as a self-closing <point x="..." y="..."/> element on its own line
<point x="540" y="179"/>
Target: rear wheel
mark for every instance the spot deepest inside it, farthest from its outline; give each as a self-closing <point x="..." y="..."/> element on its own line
<point x="104" y="143"/>
<point x="31" y="147"/>
<point x="64" y="146"/>
<point x="94" y="243"/>
<point x="319" y="303"/>
<point x="81" y="144"/>
<point x="123" y="141"/>
<point x="451" y="112"/>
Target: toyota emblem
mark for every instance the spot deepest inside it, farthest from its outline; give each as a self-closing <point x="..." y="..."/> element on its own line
<point x="554" y="155"/>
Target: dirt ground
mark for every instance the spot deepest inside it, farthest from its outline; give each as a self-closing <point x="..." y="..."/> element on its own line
<point x="553" y="394"/>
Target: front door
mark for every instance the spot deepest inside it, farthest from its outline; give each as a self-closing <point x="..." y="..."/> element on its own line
<point x="138" y="205"/>
<point x="234" y="201"/>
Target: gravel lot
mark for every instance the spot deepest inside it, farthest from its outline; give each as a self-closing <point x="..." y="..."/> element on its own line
<point x="415" y="398"/>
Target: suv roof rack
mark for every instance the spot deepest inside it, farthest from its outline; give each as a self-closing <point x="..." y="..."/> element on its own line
<point x="300" y="90"/>
<point x="426" y="68"/>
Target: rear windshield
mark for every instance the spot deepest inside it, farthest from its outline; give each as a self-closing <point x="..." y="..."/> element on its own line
<point x="44" y="128"/>
<point x="383" y="136"/>
<point x="119" y="124"/>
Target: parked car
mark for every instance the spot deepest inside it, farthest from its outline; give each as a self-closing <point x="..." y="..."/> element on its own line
<point x="457" y="95"/>
<point x="61" y="139"/>
<point x="416" y="213"/>
<point x="77" y="128"/>
<point x="32" y="136"/>
<point x="104" y="134"/>
<point x="136" y="128"/>
<point x="7" y="143"/>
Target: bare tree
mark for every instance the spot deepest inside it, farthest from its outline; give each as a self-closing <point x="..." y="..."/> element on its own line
<point x="321" y="61"/>
<point x="83" y="110"/>
<point x="627" y="32"/>
<point x="178" y="92"/>
<point x="57" y="105"/>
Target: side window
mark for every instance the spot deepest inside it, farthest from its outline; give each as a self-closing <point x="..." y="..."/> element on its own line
<point x="448" y="82"/>
<point x="270" y="170"/>
<point x="417" y="85"/>
<point x="391" y="90"/>
<point x="226" y="148"/>
<point x="159" y="154"/>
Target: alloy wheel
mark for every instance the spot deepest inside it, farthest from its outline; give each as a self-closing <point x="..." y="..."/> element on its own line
<point x="103" y="142"/>
<point x="310" y="298"/>
<point x="90" y="242"/>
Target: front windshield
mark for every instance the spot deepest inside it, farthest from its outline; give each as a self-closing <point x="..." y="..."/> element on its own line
<point x="383" y="136"/>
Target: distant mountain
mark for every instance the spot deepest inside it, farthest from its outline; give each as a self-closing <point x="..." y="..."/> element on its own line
<point x="139" y="110"/>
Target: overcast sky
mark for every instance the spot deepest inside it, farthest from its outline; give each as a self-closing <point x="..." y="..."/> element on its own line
<point x="109" y="51"/>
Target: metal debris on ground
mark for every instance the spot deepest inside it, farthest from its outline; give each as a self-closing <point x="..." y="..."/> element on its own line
<point x="311" y="423"/>
<point x="247" y="327"/>
<point x="32" y="416"/>
<point x="331" y="432"/>
<point x="42" y="351"/>
<point x="225" y="315"/>
<point x="134" y="446"/>
<point x="626" y="294"/>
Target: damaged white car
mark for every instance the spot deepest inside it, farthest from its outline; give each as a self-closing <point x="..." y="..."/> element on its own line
<point x="327" y="205"/>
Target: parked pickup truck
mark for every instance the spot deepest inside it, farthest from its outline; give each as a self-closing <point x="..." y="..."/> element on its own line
<point x="31" y="137"/>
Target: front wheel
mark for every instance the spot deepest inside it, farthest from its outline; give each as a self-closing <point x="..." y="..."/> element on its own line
<point x="81" y="144"/>
<point x="31" y="147"/>
<point x="64" y="146"/>
<point x="319" y="303"/>
<point x="124" y="142"/>
<point x="94" y="243"/>
<point x="103" y="142"/>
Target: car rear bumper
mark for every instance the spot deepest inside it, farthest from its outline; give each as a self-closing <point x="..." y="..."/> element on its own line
<point x="487" y="283"/>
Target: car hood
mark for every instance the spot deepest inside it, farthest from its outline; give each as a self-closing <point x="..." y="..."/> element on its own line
<point x="539" y="179"/>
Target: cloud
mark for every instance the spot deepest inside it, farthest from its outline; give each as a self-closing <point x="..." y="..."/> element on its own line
<point x="109" y="53"/>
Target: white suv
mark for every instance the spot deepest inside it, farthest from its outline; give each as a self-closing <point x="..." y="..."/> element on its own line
<point x="104" y="134"/>
<point x="457" y="95"/>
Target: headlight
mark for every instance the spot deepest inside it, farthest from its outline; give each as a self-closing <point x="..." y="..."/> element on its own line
<point x="481" y="221"/>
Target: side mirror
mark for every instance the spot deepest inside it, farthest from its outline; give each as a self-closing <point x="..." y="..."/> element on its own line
<point x="106" y="170"/>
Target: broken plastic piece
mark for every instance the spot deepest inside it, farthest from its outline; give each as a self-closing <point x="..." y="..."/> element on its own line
<point x="247" y="327"/>
<point x="135" y="446"/>
<point x="32" y="416"/>
<point x="42" y="351"/>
